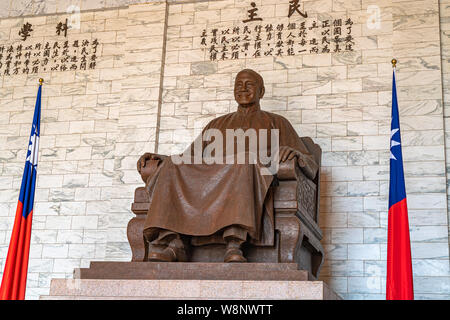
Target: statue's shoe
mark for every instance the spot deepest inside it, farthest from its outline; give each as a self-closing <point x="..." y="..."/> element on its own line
<point x="234" y="255"/>
<point x="167" y="255"/>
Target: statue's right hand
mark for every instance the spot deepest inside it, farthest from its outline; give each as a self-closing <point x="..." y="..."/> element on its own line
<point x="144" y="158"/>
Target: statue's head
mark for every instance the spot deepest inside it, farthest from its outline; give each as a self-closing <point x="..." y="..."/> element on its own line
<point x="248" y="88"/>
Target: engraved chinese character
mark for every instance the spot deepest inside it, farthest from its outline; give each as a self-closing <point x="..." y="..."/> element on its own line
<point x="314" y="25"/>
<point x="336" y="40"/>
<point x="213" y="53"/>
<point x="83" y="63"/>
<point x="257" y="45"/>
<point x="268" y="52"/>
<point x="349" y="23"/>
<point x="35" y="68"/>
<point x="236" y="39"/>
<point x="269" y="29"/>
<point x="25" y="32"/>
<point x="252" y="15"/>
<point x="337" y="23"/>
<point x="214" y="37"/>
<point x="18" y="52"/>
<point x="294" y="6"/>
<point x="224" y="53"/>
<point x="290" y="49"/>
<point x="26" y="69"/>
<point x="235" y="51"/>
<point x="62" y="27"/>
<point x="224" y="40"/>
<point x="203" y="36"/>
<point x="349" y="43"/>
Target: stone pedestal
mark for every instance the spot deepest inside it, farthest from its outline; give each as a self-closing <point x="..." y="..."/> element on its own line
<point x="198" y="281"/>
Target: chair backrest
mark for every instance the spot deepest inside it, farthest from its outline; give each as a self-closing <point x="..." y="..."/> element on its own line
<point x="313" y="148"/>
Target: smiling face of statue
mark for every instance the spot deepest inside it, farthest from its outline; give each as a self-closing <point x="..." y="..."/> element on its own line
<point x="248" y="89"/>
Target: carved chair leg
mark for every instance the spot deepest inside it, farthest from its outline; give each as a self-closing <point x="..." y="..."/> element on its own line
<point x="316" y="253"/>
<point x="290" y="236"/>
<point x="134" y="234"/>
<point x="298" y="245"/>
<point x="317" y="260"/>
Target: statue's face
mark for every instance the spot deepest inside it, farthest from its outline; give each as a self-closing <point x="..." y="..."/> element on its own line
<point x="247" y="89"/>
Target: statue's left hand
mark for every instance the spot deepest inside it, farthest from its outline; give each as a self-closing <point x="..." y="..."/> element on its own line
<point x="288" y="153"/>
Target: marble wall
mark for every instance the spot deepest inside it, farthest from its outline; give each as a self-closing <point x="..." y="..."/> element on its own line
<point x="155" y="86"/>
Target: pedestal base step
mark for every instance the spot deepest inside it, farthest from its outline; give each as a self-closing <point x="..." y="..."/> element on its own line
<point x="82" y="289"/>
<point x="192" y="271"/>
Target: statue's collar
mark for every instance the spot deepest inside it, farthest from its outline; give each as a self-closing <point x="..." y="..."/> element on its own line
<point x="248" y="110"/>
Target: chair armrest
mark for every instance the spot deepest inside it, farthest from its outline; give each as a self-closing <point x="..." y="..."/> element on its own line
<point x="141" y="201"/>
<point x="287" y="170"/>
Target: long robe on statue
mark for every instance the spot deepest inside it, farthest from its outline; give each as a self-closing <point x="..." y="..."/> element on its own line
<point x="201" y="200"/>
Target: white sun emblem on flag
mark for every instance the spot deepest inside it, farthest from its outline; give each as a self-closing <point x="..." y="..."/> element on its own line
<point x="33" y="148"/>
<point x="393" y="142"/>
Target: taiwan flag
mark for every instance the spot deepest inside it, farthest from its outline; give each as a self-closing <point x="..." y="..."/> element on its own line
<point x="399" y="279"/>
<point x="16" y="268"/>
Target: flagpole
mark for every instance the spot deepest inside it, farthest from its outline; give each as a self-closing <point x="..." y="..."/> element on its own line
<point x="14" y="278"/>
<point x="24" y="265"/>
<point x="399" y="275"/>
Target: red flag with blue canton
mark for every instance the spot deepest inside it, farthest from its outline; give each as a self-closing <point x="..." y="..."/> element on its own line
<point x="16" y="268"/>
<point x="399" y="278"/>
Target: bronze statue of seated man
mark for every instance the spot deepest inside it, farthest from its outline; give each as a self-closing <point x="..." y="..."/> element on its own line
<point x="221" y="202"/>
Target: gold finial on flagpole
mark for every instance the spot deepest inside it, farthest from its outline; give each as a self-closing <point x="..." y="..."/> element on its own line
<point x="41" y="81"/>
<point x="394" y="63"/>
